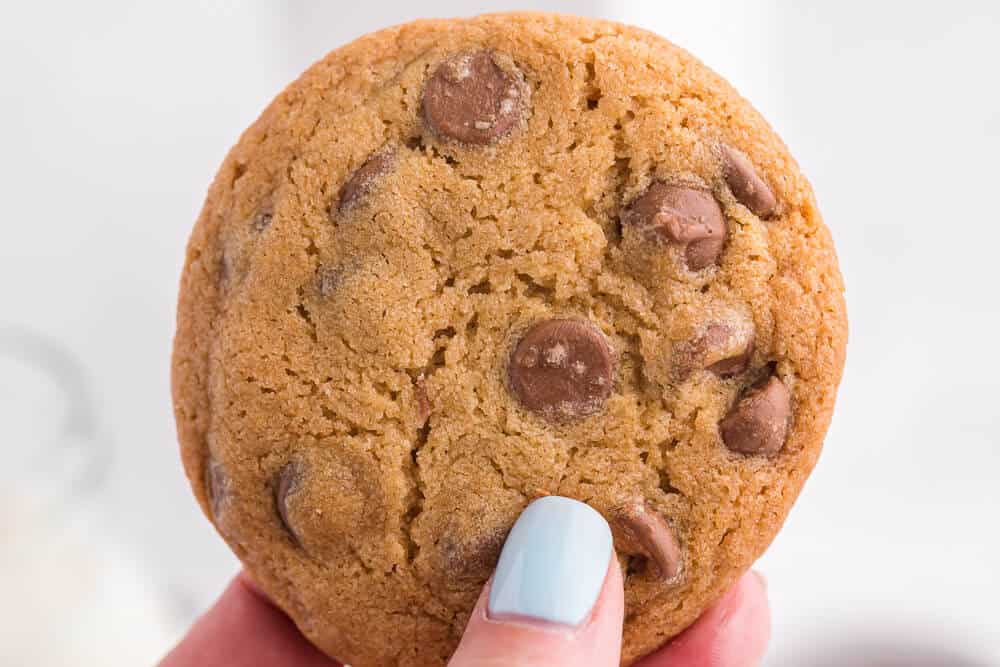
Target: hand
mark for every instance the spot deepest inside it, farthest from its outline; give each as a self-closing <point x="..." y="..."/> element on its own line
<point x="556" y="599"/>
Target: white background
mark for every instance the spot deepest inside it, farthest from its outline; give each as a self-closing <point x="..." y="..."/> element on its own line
<point x="115" y="115"/>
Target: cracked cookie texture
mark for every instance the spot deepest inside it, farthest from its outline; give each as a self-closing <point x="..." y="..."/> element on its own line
<point x="461" y="263"/>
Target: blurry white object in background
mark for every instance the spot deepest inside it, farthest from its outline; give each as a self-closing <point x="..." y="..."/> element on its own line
<point x="885" y="105"/>
<point x="70" y="596"/>
<point x="69" y="589"/>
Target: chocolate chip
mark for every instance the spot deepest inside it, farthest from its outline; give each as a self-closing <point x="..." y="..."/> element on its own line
<point x="724" y="349"/>
<point x="700" y="254"/>
<point x="216" y="487"/>
<point x="470" y="557"/>
<point x="227" y="266"/>
<point x="758" y="423"/>
<point x="262" y="219"/>
<point x="561" y="369"/>
<point x="681" y="215"/>
<point x="329" y="279"/>
<point x="639" y="529"/>
<point x="734" y="363"/>
<point x="364" y="178"/>
<point x="288" y="484"/>
<point x="747" y="185"/>
<point x="423" y="401"/>
<point x="473" y="99"/>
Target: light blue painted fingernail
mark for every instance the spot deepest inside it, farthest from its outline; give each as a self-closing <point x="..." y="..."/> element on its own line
<point x="553" y="563"/>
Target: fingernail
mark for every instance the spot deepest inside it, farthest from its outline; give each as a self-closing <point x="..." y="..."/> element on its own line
<point x="553" y="564"/>
<point x="761" y="579"/>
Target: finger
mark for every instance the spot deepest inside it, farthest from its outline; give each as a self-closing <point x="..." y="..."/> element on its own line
<point x="733" y="633"/>
<point x="243" y="629"/>
<point x="556" y="598"/>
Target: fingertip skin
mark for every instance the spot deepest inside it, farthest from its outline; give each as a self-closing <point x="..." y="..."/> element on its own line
<point x="732" y="633"/>
<point x="243" y="629"/>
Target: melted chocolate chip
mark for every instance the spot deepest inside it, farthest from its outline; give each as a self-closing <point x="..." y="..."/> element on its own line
<point x="216" y="487"/>
<point x="288" y="484"/>
<point x="683" y="216"/>
<point x="470" y="557"/>
<point x="725" y="349"/>
<point x="329" y="279"/>
<point x="472" y="99"/>
<point x="561" y="369"/>
<point x="734" y="364"/>
<point x="423" y="400"/>
<point x="758" y="423"/>
<point x="747" y="185"/>
<point x="262" y="219"/>
<point x="639" y="529"/>
<point x="364" y="179"/>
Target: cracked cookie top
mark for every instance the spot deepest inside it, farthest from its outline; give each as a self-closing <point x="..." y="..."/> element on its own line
<point x="461" y="263"/>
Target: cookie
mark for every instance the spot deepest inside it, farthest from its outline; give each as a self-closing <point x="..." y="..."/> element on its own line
<point x="461" y="263"/>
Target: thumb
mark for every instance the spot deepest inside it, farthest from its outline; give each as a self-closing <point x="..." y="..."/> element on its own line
<point x="556" y="598"/>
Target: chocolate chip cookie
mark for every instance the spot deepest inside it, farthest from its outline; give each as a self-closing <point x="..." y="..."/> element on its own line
<point x="462" y="263"/>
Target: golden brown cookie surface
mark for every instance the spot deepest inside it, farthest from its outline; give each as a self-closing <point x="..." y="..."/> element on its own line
<point x="460" y="262"/>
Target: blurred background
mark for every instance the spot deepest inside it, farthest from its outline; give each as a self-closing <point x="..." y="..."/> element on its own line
<point x="115" y="115"/>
